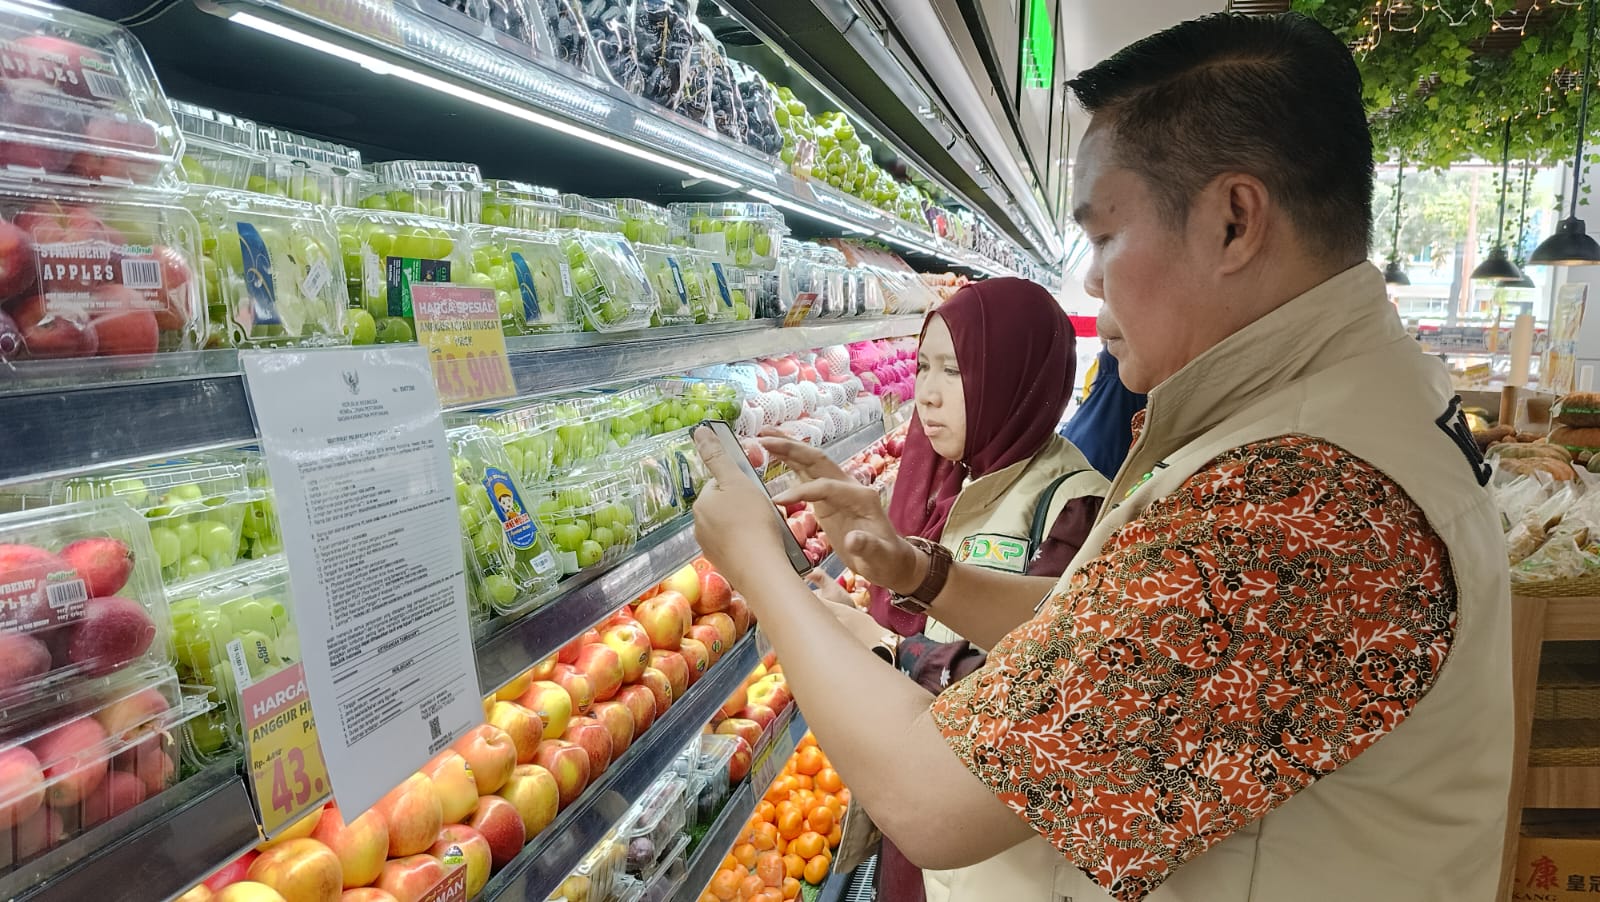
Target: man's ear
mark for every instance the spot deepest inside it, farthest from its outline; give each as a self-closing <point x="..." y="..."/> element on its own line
<point x="1240" y="207"/>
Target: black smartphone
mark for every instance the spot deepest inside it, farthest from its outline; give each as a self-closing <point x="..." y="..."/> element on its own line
<point x="735" y="452"/>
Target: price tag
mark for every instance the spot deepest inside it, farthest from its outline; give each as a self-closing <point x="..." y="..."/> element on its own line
<point x="802" y="308"/>
<point x="452" y="888"/>
<point x="460" y="328"/>
<point x="287" y="773"/>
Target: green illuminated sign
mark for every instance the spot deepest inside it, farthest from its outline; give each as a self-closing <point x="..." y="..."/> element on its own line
<point x="1038" y="45"/>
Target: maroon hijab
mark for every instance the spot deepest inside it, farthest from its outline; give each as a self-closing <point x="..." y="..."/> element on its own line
<point x="1016" y="351"/>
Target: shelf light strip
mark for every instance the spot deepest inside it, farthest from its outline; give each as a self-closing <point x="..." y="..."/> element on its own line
<point x="814" y="213"/>
<point x="406" y="73"/>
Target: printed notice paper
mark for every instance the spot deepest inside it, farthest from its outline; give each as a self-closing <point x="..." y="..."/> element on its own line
<point x="358" y="458"/>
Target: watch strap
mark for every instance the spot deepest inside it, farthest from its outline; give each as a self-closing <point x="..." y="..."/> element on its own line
<point x="939" y="562"/>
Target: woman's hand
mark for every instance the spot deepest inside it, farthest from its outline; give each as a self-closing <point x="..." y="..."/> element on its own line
<point x="734" y="520"/>
<point x="828" y="589"/>
<point x="853" y="515"/>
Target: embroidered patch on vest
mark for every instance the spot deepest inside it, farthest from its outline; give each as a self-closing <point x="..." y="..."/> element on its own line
<point x="1454" y="423"/>
<point x="997" y="552"/>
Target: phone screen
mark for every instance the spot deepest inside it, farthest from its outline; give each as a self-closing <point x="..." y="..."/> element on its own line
<point x="735" y="452"/>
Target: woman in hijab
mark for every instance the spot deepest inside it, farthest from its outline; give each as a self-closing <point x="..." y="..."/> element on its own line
<point x="984" y="474"/>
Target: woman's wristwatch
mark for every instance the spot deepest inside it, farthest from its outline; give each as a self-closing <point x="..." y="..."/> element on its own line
<point x="939" y="563"/>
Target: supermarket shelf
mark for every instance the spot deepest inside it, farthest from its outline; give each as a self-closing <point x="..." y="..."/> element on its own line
<point x="837" y="887"/>
<point x="780" y="478"/>
<point x="1562" y="787"/>
<point x="506" y="648"/>
<point x="167" y="844"/>
<point x="180" y="403"/>
<point x="546" y="862"/>
<point x="720" y="838"/>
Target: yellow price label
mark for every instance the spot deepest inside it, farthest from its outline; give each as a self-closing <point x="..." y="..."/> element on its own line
<point x="460" y="327"/>
<point x="801" y="309"/>
<point x="287" y="773"/>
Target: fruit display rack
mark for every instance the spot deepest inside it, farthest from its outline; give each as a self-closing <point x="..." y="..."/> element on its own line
<point x="59" y="421"/>
<point x="384" y="41"/>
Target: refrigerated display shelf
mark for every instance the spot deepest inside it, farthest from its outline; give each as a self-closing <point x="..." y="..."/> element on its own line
<point x="506" y="648"/>
<point x="720" y="838"/>
<point x="780" y="478"/>
<point x="71" y="417"/>
<point x="167" y="843"/>
<point x="546" y="862"/>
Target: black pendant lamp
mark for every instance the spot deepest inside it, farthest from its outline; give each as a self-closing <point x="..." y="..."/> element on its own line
<point x="1571" y="245"/>
<point x="1394" y="273"/>
<point x="1522" y="219"/>
<point x="1498" y="266"/>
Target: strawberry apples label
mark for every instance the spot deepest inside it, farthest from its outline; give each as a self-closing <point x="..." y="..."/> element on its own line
<point x="36" y="597"/>
<point x="101" y="276"/>
<point x="460" y="328"/>
<point x="62" y="66"/>
<point x="287" y="772"/>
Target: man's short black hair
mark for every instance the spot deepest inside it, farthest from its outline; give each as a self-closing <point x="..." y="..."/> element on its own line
<point x="1276" y="97"/>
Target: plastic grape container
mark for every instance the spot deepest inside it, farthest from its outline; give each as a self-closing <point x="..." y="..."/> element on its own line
<point x="547" y="438"/>
<point x="715" y="753"/>
<point x="733" y="286"/>
<point x="80" y="601"/>
<point x="218" y="149"/>
<point x="524" y="270"/>
<point x="384" y="254"/>
<point x="226" y="626"/>
<point x="652" y="466"/>
<point x="195" y="510"/>
<point x="688" y="469"/>
<point x="748" y="234"/>
<point x="665" y="268"/>
<point x="274" y="274"/>
<point x="579" y="212"/>
<point x="511" y="566"/>
<point x="318" y="172"/>
<point x="644" y="223"/>
<point x="687" y="400"/>
<point x="97" y="277"/>
<point x="710" y="295"/>
<point x="68" y="774"/>
<point x="607" y="279"/>
<point x="595" y="877"/>
<point x="654" y="826"/>
<point x="669" y="874"/>
<point x="81" y="105"/>
<point x="259" y="537"/>
<point x="520" y="205"/>
<point x="592" y="516"/>
<point x="452" y="191"/>
<point x="626" y="412"/>
<point x="832" y="278"/>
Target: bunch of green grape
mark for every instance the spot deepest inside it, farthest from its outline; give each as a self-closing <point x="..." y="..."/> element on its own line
<point x="592" y="518"/>
<point x="524" y="270"/>
<point x="510" y="564"/>
<point x="368" y="239"/>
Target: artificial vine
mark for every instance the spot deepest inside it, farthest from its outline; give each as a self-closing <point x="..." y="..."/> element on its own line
<point x="1438" y="96"/>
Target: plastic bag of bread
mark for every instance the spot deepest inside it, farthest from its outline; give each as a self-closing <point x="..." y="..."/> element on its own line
<point x="1577" y="439"/>
<point x="1580" y="409"/>
<point x="1566" y="554"/>
<point x="1517" y="497"/>
<point x="1559" y="470"/>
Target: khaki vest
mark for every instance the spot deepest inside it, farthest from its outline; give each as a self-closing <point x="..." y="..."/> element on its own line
<point x="1419" y="816"/>
<point x="990" y="522"/>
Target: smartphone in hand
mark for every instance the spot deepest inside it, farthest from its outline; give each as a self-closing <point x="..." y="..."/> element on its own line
<point x="735" y="452"/>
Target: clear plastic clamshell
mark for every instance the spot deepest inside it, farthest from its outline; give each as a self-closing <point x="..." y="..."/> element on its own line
<point x="524" y="269"/>
<point x="511" y="566"/>
<point x="218" y="149"/>
<point x="748" y="234"/>
<point x="318" y="172"/>
<point x="520" y="205"/>
<point x="452" y="191"/>
<point x="384" y="254"/>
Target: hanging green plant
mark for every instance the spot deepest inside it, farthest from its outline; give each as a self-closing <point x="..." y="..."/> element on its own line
<point x="1440" y="76"/>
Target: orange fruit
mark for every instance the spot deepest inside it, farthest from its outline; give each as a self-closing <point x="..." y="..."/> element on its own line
<point x="834" y="805"/>
<point x="745" y="854"/>
<point x="707" y="896"/>
<point x="809" y="761"/>
<point x="828" y="780"/>
<point x="791" y="820"/>
<point x="804" y="782"/>
<point x="820" y="819"/>
<point x="725" y="885"/>
<point x="844" y="796"/>
<point x="791" y="888"/>
<point x="770" y="894"/>
<point x="765" y="811"/>
<point x="835" y="836"/>
<point x="808" y="741"/>
<point x="728" y="863"/>
<point x="817" y="869"/>
<point x="750" y="887"/>
<point x="806" y="799"/>
<point x="794" y="865"/>
<point x="808" y="845"/>
<point x="769" y="867"/>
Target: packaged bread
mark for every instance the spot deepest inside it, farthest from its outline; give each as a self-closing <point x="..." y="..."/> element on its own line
<point x="1512" y="450"/>
<point x="1489" y="436"/>
<point x="1558" y="470"/>
<point x="1576" y="438"/>
<point x="1581" y="409"/>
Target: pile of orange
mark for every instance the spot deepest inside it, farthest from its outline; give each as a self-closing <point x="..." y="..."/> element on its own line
<point x="791" y="837"/>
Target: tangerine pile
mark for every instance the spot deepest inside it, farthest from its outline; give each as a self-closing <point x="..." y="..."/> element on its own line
<point x="790" y="837"/>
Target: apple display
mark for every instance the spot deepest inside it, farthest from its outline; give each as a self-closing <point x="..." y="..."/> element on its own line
<point x="710" y="638"/>
<point x="532" y="790"/>
<point x="524" y="727"/>
<point x="501" y="825"/>
<point x="490" y="753"/>
<point x="360" y="845"/>
<point x="676" y="669"/>
<point x="618" y="720"/>
<point x="578" y="686"/>
<point x="641" y="703"/>
<point x="696" y="656"/>
<point x="459" y="845"/>
<point x="724" y="625"/>
<point x="569" y="764"/>
<point x="301" y="869"/>
<point x="748" y="730"/>
<point x="457" y="787"/>
<point x="715" y="595"/>
<point x="761" y="714"/>
<point x="551" y="703"/>
<point x="664" y="619"/>
<point x="603" y="666"/>
<point x="413" y="815"/>
<point x="592" y="736"/>
<point x="660" y="686"/>
<point x="684" y="581"/>
<point x="632" y="646"/>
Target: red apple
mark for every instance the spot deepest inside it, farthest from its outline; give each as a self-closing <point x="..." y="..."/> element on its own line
<point x="592" y="736"/>
<point x="675" y="667"/>
<point x="300" y="869"/>
<point x="622" y="616"/>
<point x="457" y="787"/>
<point x="118" y="792"/>
<point x="685" y="582"/>
<point x="21" y="787"/>
<point x="533" y="791"/>
<point x="740" y="612"/>
<point x="665" y="618"/>
<point x="603" y="666"/>
<point x="543" y="670"/>
<point x="409" y="879"/>
<point x="248" y="891"/>
<point x="641" y="704"/>
<point x="710" y="637"/>
<point x="365" y="894"/>
<point x="525" y="728"/>
<point x="771" y="690"/>
<point x="748" y="730"/>
<point x="761" y="714"/>
<point x="53" y="329"/>
<point x="578" y="687"/>
<point x="618" y="720"/>
<point x="232" y="872"/>
<point x="632" y="646"/>
<point x="123" y="323"/>
<point x="697" y="656"/>
<point x="725" y="627"/>
<point x="715" y="594"/>
<point x="459" y="845"/>
<point x="134" y="716"/>
<point x="360" y="845"/>
<point x="551" y="703"/>
<point x="569" y="652"/>
<point x="660" y="686"/>
<point x="413" y="815"/>
<point x="501" y="825"/>
<point x="739" y="764"/>
<point x="491" y="754"/>
<point x="569" y="764"/>
<point x="73" y="756"/>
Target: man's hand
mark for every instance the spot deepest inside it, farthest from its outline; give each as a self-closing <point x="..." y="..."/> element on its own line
<point x="734" y="520"/>
<point x="852" y="514"/>
<point x="828" y="589"/>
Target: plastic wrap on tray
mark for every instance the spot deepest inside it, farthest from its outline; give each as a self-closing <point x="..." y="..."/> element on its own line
<point x="760" y="110"/>
<point x="727" y="107"/>
<point x="665" y="268"/>
<point x="611" y="29"/>
<point x="608" y="281"/>
<point x="569" y="33"/>
<point x="544" y="439"/>
<point x="664" y="35"/>
<point x="511" y="566"/>
<point x="746" y="234"/>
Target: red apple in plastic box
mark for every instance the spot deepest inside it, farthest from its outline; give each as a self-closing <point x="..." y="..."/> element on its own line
<point x="120" y="791"/>
<point x="21" y="786"/>
<point x="73" y="755"/>
<point x="592" y="736"/>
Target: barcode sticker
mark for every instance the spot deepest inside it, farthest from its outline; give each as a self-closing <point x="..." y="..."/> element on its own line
<point x="67" y="594"/>
<point x="103" y="86"/>
<point x="566" y="279"/>
<point x="241" y="667"/>
<point x="434" y="730"/>
<point x="544" y="563"/>
<point x="317" y="278"/>
<point x="141" y="274"/>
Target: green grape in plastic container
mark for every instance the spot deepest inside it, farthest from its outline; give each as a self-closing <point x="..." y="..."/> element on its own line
<point x="511" y="566"/>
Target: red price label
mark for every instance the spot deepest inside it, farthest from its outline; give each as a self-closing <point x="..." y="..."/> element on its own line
<point x="286" y="767"/>
<point x="460" y="327"/>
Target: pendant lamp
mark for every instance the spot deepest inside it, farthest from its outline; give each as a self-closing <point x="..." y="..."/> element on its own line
<point x="1395" y="273"/>
<point x="1571" y="245"/>
<point x="1522" y="219"/>
<point x="1498" y="266"/>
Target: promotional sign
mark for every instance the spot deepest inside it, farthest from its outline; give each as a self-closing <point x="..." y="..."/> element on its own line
<point x="797" y="314"/>
<point x="1559" y="370"/>
<point x="460" y="328"/>
<point x="284" y="759"/>
<point x="356" y="449"/>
